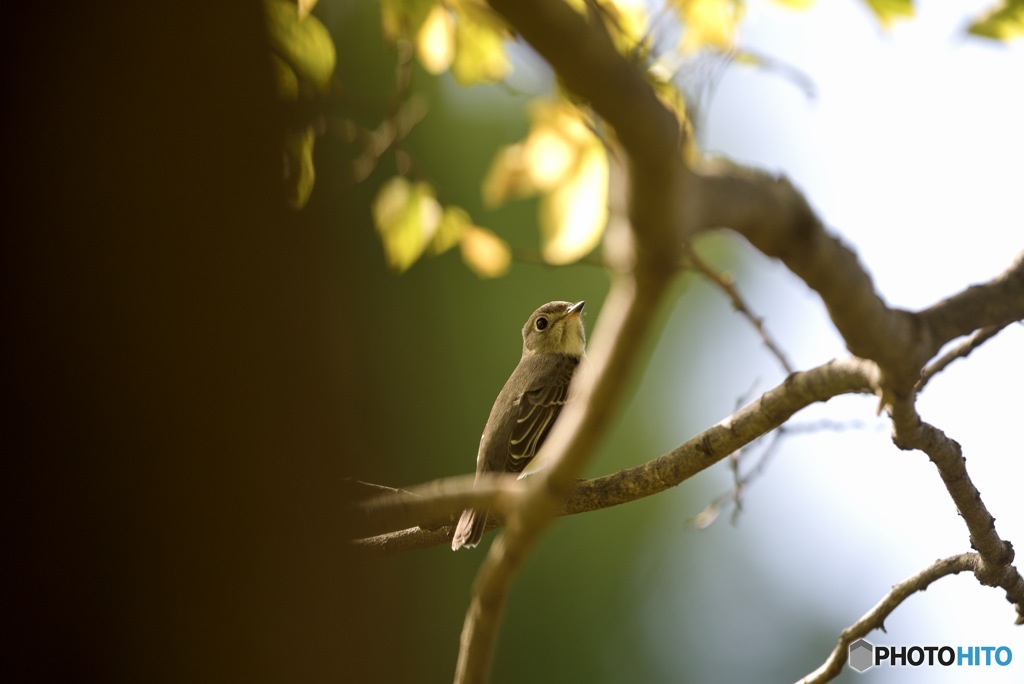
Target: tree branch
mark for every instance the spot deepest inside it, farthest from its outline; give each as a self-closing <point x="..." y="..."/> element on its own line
<point x="433" y="504"/>
<point x="875" y="618"/>
<point x="995" y="568"/>
<point x="772" y="409"/>
<point x="776" y="218"/>
<point x="998" y="302"/>
<point x="960" y="351"/>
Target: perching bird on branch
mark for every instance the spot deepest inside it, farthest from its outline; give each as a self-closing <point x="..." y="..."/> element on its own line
<point x="529" y="403"/>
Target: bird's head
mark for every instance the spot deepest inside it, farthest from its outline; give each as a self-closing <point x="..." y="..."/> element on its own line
<point x="555" y="328"/>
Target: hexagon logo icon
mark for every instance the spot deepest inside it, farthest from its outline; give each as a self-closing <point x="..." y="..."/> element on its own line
<point x="862" y="655"/>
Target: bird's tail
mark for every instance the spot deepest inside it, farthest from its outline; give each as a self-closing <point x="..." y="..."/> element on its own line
<point x="470" y="529"/>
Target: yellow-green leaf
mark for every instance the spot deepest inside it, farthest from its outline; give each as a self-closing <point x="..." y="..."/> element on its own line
<point x="889" y="11"/>
<point x="435" y="42"/>
<point x="299" y="173"/>
<point x="406" y="215"/>
<point x="708" y="23"/>
<point x="795" y="4"/>
<point x="507" y="177"/>
<point x="454" y="222"/>
<point x="544" y="160"/>
<point x="485" y="253"/>
<point x="304" y="44"/>
<point x="1004" y="22"/>
<point x="573" y="216"/>
<point x="479" y="48"/>
<point x="403" y="18"/>
<point x="285" y="80"/>
<point x="305" y="7"/>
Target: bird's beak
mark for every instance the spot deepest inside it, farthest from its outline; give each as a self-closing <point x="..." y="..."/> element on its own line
<point x="576" y="309"/>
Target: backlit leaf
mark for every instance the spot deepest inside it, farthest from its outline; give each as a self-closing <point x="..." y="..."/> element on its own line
<point x="573" y="216"/>
<point x="1004" y="22"/>
<point x="549" y="156"/>
<point x="435" y="42"/>
<point x="285" y="80"/>
<point x="404" y="18"/>
<point x="708" y="23"/>
<point x="544" y="160"/>
<point x="485" y="253"/>
<point x="508" y="176"/>
<point x="304" y="44"/>
<point x="305" y="7"/>
<point x="479" y="47"/>
<point x="562" y="160"/>
<point x="407" y="216"/>
<point x="299" y="173"/>
<point x="889" y="11"/>
<point x="454" y="222"/>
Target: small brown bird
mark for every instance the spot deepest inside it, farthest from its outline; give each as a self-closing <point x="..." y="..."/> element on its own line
<point x="529" y="403"/>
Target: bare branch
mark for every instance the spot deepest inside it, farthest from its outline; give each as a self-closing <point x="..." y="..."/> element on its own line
<point x="740" y="481"/>
<point x="353" y="489"/>
<point x="771" y="410"/>
<point x="404" y="541"/>
<point x="995" y="569"/>
<point x="995" y="303"/>
<point x="960" y="351"/>
<point x="776" y="218"/>
<point x="389" y="134"/>
<point x="433" y="504"/>
<point x="875" y="618"/>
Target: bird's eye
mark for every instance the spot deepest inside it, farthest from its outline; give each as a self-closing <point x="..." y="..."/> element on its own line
<point x="541" y="323"/>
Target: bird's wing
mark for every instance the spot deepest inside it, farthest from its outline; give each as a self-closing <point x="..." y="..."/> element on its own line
<point x="535" y="413"/>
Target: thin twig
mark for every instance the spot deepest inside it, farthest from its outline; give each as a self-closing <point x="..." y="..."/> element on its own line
<point x="960" y="351"/>
<point x="875" y="618"/>
<point x="389" y="134"/>
<point x="713" y="510"/>
<point x="433" y="504"/>
<point x="725" y="283"/>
